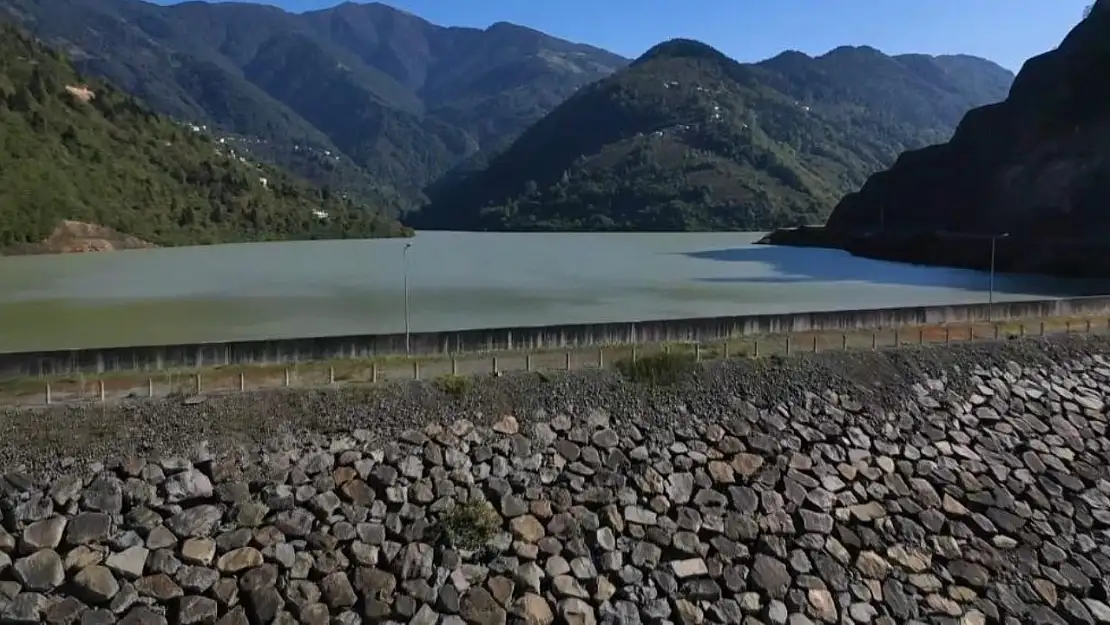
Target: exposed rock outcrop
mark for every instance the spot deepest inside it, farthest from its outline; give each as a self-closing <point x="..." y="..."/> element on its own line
<point x="1036" y="166"/>
<point x="979" y="494"/>
<point x="76" y="237"/>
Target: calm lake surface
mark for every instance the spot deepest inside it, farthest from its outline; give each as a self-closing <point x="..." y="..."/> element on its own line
<point x="457" y="281"/>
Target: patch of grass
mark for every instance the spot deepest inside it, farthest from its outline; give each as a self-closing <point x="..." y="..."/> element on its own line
<point x="739" y="351"/>
<point x="454" y="385"/>
<point x="659" y="369"/>
<point x="471" y="525"/>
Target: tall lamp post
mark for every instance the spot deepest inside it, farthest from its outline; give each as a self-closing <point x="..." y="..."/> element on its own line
<point x="990" y="295"/>
<point x="405" y="266"/>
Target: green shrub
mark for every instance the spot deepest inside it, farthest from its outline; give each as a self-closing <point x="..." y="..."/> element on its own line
<point x="470" y="525"/>
<point x="661" y="369"/>
<point x="455" y="385"/>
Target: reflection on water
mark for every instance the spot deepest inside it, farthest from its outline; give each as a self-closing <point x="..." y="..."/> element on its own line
<point x="457" y="280"/>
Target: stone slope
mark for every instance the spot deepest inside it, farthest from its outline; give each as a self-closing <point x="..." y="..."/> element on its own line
<point x="898" y="487"/>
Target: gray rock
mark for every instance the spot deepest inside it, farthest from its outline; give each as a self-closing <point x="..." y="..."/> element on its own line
<point x="88" y="528"/>
<point x="192" y="609"/>
<point x="187" y="485"/>
<point x="45" y="534"/>
<point x="196" y="521"/>
<point x="478" y="607"/>
<point x="95" y="584"/>
<point x="129" y="563"/>
<point x="771" y="576"/>
<point x="40" y="571"/>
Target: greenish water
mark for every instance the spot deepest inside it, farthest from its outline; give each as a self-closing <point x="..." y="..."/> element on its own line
<point x="457" y="281"/>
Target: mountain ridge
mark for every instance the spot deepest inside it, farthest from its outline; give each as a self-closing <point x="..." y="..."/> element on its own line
<point x="428" y="97"/>
<point x="686" y="138"/>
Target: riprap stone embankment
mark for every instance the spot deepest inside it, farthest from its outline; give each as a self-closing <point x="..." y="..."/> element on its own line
<point x="965" y="485"/>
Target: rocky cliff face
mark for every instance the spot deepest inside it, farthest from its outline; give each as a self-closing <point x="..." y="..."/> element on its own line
<point x="1036" y="166"/>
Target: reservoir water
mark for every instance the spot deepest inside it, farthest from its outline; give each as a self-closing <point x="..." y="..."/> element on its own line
<point x="456" y="281"/>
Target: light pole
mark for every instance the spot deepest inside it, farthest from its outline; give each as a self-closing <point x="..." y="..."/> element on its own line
<point x="405" y="266"/>
<point x="990" y="295"/>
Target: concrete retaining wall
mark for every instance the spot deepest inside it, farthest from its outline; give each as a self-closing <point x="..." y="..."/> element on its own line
<point x="153" y="358"/>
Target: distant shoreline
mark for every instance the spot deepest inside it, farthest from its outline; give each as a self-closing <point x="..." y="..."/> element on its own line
<point x="1018" y="253"/>
<point x="75" y="237"/>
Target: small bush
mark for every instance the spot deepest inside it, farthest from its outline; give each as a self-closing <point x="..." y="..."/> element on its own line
<point x="455" y="385"/>
<point x="661" y="369"/>
<point x="471" y="525"/>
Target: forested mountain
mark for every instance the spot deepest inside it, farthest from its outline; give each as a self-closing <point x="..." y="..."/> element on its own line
<point x="1034" y="167"/>
<point x="361" y="97"/>
<point x="688" y="139"/>
<point x="73" y="148"/>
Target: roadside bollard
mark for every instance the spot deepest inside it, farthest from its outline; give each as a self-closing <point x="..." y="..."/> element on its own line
<point x="287" y="377"/>
<point x="697" y="352"/>
<point x="331" y="375"/>
<point x="844" y="342"/>
<point x="815" y="344"/>
<point x="528" y="363"/>
<point x="100" y="387"/>
<point x="495" y="369"/>
<point x="568" y="361"/>
<point x="416" y="369"/>
<point x="947" y="335"/>
<point x="601" y="358"/>
<point x="724" y="349"/>
<point x="874" y="340"/>
<point x="48" y="398"/>
<point x="454" y="366"/>
<point x="921" y="336"/>
<point x="897" y="339"/>
<point x="242" y="382"/>
<point x="633" y="352"/>
<point x="374" y="371"/>
<point x="197" y="384"/>
<point x="755" y="348"/>
<point x="150" y="387"/>
<point x="787" y="345"/>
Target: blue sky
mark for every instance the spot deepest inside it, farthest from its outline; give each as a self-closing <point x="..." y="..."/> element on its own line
<point x="1005" y="31"/>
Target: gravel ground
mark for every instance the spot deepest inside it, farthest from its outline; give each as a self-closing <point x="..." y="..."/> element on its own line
<point x="43" y="441"/>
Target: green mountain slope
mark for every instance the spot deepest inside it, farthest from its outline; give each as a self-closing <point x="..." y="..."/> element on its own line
<point x="688" y="139"/>
<point x="1034" y="167"/>
<point x="384" y="101"/>
<point x="74" y="149"/>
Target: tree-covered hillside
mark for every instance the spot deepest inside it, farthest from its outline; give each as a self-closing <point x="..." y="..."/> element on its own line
<point x="362" y="98"/>
<point x="78" y="149"/>
<point x="688" y="139"/>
